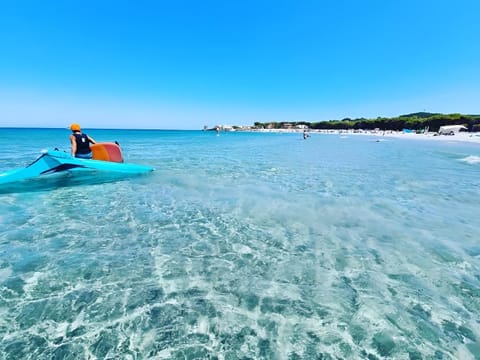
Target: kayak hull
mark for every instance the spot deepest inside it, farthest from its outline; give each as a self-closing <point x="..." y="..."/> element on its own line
<point x="54" y="161"/>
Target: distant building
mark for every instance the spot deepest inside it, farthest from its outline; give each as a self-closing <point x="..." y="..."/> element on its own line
<point x="451" y="129"/>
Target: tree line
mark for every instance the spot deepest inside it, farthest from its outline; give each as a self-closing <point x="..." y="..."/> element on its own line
<point x="416" y="121"/>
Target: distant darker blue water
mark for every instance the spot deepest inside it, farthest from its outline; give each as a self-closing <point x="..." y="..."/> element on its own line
<point x="244" y="245"/>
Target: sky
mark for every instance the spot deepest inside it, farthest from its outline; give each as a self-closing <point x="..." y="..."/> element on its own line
<point x="188" y="64"/>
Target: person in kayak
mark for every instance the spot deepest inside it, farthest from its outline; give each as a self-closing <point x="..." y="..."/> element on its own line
<point x="80" y="143"/>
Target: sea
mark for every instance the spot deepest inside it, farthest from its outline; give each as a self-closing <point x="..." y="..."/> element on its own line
<point x="243" y="245"/>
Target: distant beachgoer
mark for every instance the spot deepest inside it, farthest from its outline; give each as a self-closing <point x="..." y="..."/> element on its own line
<point x="80" y="143"/>
<point x="305" y="135"/>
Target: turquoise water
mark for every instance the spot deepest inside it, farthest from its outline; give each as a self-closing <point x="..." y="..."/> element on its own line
<point x="244" y="246"/>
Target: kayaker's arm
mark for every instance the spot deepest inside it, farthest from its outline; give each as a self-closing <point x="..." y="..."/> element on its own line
<point x="74" y="145"/>
<point x="92" y="141"/>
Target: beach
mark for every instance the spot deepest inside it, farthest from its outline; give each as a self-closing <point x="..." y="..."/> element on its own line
<point x="471" y="137"/>
<point x="257" y="245"/>
<point x="458" y="137"/>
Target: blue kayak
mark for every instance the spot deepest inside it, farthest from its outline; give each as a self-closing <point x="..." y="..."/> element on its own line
<point x="54" y="161"/>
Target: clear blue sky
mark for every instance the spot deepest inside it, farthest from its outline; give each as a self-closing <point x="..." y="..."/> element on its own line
<point x="185" y="64"/>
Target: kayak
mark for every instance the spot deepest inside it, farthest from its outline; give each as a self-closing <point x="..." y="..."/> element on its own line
<point x="55" y="161"/>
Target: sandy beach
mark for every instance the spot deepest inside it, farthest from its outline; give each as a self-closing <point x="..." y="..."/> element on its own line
<point x="458" y="137"/>
<point x="462" y="136"/>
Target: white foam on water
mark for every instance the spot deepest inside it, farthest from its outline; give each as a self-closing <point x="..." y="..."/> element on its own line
<point x="472" y="159"/>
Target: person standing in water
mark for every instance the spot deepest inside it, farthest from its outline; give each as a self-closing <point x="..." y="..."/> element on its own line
<point x="80" y="143"/>
<point x="305" y="135"/>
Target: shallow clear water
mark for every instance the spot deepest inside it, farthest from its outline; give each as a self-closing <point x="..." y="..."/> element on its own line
<point x="244" y="245"/>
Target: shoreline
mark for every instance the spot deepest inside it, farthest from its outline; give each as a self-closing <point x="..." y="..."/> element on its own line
<point x="458" y="137"/>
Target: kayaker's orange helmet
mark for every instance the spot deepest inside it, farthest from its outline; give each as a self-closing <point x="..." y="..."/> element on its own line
<point x="75" y="127"/>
